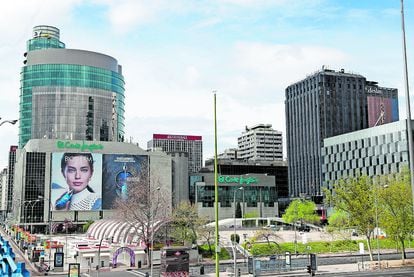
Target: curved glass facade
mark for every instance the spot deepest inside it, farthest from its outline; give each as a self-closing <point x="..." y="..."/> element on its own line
<point x="69" y="101"/>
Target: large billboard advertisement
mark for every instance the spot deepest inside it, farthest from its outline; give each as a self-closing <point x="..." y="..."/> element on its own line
<point x="76" y="182"/>
<point x="381" y="110"/>
<point x="90" y="182"/>
<point x="120" y="172"/>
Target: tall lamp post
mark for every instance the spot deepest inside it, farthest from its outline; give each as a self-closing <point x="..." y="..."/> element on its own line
<point x="376" y="225"/>
<point x="99" y="253"/>
<point x="34" y="202"/>
<point x="376" y="222"/>
<point x="25" y="212"/>
<point x="152" y="232"/>
<point x="408" y="106"/>
<point x="234" y="226"/>
<point x="49" y="223"/>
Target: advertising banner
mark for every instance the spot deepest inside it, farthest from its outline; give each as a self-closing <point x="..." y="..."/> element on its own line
<point x="76" y="181"/>
<point x="58" y="260"/>
<point x="120" y="172"/>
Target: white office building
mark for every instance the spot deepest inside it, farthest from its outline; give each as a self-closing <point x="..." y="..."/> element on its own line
<point x="260" y="142"/>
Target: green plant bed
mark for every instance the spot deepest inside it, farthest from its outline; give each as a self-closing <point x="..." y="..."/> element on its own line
<point x="204" y="251"/>
<point x="339" y="246"/>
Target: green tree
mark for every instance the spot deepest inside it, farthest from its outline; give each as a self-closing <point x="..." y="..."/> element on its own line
<point x="356" y="196"/>
<point x="235" y="238"/>
<point x="85" y="226"/>
<point x="185" y="222"/>
<point x="238" y="210"/>
<point x="338" y="220"/>
<point x="301" y="210"/>
<point x="396" y="205"/>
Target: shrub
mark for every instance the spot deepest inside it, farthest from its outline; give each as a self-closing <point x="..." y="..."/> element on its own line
<point x="237" y="237"/>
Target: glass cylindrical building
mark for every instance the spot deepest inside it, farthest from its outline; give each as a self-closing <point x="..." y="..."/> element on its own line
<point x="69" y="93"/>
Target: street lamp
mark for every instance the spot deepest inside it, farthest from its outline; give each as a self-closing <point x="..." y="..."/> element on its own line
<point x="34" y="202"/>
<point x="50" y="225"/>
<point x="376" y="226"/>
<point x="25" y="212"/>
<point x="234" y="226"/>
<point x="152" y="231"/>
<point x="376" y="223"/>
<point x="99" y="254"/>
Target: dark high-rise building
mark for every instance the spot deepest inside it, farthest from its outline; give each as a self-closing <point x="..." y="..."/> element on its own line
<point x="69" y="93"/>
<point x="325" y="104"/>
<point x="10" y="177"/>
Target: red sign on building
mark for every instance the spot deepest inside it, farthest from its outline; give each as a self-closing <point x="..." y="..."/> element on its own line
<point x="175" y="137"/>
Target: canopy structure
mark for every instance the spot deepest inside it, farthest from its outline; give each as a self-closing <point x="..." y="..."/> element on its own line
<point x="118" y="230"/>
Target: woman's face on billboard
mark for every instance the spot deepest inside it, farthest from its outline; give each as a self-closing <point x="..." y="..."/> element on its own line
<point x="77" y="173"/>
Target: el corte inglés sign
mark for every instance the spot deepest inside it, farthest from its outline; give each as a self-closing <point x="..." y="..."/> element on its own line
<point x="80" y="146"/>
<point x="237" y="180"/>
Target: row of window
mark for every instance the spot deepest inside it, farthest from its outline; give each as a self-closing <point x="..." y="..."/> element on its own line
<point x="367" y="142"/>
<point x="379" y="150"/>
<point x="43" y="43"/>
<point x="331" y="177"/>
<point x="103" y="77"/>
<point x="365" y="162"/>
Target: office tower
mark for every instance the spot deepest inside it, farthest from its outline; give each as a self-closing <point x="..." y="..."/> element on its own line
<point x="3" y="194"/>
<point x="193" y="145"/>
<point x="10" y="177"/>
<point x="260" y="142"/>
<point x="69" y="93"/>
<point x="325" y="104"/>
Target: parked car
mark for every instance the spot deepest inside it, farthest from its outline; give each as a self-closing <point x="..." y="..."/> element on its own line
<point x="271" y="226"/>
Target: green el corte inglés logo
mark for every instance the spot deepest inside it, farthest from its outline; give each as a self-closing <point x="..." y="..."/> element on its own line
<point x="238" y="180"/>
<point x="81" y="146"/>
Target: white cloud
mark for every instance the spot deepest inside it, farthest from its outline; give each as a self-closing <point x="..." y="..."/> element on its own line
<point x="173" y="93"/>
<point x="125" y="15"/>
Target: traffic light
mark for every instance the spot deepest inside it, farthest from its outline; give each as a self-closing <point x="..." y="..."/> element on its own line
<point x="309" y="269"/>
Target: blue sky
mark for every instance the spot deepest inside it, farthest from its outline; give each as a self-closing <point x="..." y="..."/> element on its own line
<point x="175" y="53"/>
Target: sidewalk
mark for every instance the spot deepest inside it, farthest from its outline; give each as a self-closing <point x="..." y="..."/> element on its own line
<point x="324" y="269"/>
<point x="331" y="269"/>
<point x="20" y="256"/>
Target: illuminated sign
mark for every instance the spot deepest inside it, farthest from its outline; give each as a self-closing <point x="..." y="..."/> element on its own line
<point x="237" y="180"/>
<point x="81" y="146"/>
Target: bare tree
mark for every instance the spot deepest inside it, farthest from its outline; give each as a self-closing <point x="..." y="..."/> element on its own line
<point x="270" y="236"/>
<point x="207" y="233"/>
<point x="145" y="208"/>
